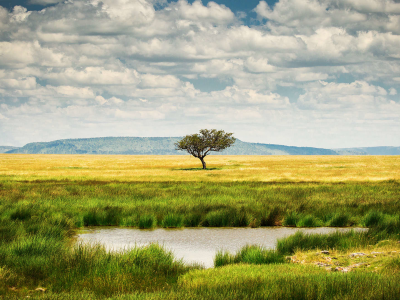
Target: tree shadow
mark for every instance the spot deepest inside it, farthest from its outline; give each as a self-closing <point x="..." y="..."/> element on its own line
<point x="196" y="169"/>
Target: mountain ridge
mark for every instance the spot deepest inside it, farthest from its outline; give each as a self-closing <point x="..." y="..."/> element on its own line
<point x="165" y="146"/>
<point x="4" y="149"/>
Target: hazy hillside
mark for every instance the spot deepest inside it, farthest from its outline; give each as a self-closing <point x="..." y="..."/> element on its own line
<point x="161" y="146"/>
<point x="165" y="146"/>
<point x="4" y="149"/>
<point x="381" y="150"/>
<point x="369" y="151"/>
<point x="106" y="145"/>
<point x="243" y="148"/>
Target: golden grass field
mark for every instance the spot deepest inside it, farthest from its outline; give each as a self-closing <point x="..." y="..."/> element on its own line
<point x="221" y="168"/>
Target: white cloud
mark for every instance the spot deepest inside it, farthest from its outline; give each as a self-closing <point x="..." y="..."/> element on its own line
<point x="110" y="101"/>
<point x="371" y="6"/>
<point x="259" y="65"/>
<point x="198" y="12"/>
<point x="307" y="15"/>
<point x="94" y="76"/>
<point x="334" y="96"/>
<point x="234" y="94"/>
<point x="131" y="13"/>
<point x="20" y="83"/>
<point x="125" y="68"/>
<point x="71" y="91"/>
<point x="310" y="76"/>
<point x="19" y="14"/>
<point x="157" y="81"/>
<point x="20" y="54"/>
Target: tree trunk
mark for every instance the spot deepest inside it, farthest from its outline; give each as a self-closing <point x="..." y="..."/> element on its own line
<point x="203" y="162"/>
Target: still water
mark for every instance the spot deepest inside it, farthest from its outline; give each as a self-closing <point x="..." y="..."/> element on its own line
<point x="194" y="245"/>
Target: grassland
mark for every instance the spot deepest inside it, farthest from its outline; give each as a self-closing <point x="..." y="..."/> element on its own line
<point x="121" y="168"/>
<point x="45" y="199"/>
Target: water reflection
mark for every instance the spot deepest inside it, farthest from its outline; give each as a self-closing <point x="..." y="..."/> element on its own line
<point x="194" y="245"/>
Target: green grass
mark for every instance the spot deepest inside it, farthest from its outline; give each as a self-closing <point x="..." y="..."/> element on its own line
<point x="249" y="255"/>
<point x="147" y="221"/>
<point x="172" y="221"/>
<point x="284" y="282"/>
<point x="203" y="203"/>
<point x="373" y="218"/>
<point x="38" y="221"/>
<point x="337" y="240"/>
<point x="340" y="220"/>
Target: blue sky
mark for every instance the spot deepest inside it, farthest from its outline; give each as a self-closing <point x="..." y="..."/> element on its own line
<point x="321" y="73"/>
<point x="234" y="5"/>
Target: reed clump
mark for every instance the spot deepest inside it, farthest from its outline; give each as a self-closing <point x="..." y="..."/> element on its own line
<point x="340" y="220"/>
<point x="147" y="221"/>
<point x="337" y="240"/>
<point x="172" y="221"/>
<point x="250" y="254"/>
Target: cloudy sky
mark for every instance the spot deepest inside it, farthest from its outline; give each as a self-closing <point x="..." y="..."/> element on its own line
<point x="323" y="73"/>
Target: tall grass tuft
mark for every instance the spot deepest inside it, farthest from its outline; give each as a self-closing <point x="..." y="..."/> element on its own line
<point x="249" y="254"/>
<point x="389" y="225"/>
<point x="337" y="240"/>
<point x="271" y="218"/>
<point x="192" y="220"/>
<point x="218" y="218"/>
<point x="257" y="255"/>
<point x="373" y="218"/>
<point x="172" y="221"/>
<point x="223" y="258"/>
<point x="92" y="218"/>
<point x="291" y="219"/>
<point x="112" y="215"/>
<point x="155" y="258"/>
<point x="308" y="221"/>
<point x="339" y="220"/>
<point x="147" y="221"/>
<point x="240" y="219"/>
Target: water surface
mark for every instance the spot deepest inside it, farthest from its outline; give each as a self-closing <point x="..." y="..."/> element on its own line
<point x="194" y="245"/>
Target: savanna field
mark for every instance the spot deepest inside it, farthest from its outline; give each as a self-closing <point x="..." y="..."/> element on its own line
<point x="46" y="199"/>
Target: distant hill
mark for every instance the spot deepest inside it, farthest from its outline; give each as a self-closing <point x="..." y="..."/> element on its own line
<point x="244" y="148"/>
<point x="106" y="145"/>
<point x="369" y="151"/>
<point x="155" y="145"/>
<point x="4" y="149"/>
<point x="165" y="146"/>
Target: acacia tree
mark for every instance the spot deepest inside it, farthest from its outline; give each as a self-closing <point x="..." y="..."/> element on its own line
<point x="199" y="145"/>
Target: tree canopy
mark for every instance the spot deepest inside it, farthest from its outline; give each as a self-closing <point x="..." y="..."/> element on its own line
<point x="199" y="145"/>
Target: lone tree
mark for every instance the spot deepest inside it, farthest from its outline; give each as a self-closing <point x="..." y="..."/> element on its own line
<point x="199" y="145"/>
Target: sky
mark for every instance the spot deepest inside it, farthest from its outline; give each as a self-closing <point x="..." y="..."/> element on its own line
<point x="319" y="73"/>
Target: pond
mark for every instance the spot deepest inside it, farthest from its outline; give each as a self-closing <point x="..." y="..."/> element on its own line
<point x="195" y="245"/>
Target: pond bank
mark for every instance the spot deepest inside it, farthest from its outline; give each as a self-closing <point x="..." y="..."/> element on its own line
<point x="196" y="245"/>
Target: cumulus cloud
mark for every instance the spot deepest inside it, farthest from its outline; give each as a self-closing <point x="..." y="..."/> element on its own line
<point x="308" y="71"/>
<point x="307" y="15"/>
<point x="334" y="96"/>
<point x="198" y="12"/>
<point x="93" y="76"/>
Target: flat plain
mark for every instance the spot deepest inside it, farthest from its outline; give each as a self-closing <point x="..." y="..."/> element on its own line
<point x="45" y="199"/>
<point x="187" y="168"/>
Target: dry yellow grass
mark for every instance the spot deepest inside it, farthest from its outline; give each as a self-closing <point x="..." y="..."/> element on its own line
<point x="187" y="168"/>
<point x="373" y="257"/>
